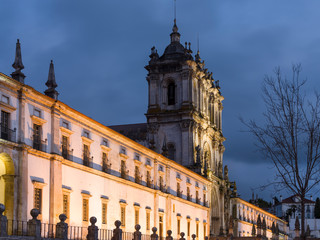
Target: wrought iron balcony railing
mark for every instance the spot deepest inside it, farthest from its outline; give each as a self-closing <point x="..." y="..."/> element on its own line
<point x="7" y="133"/>
<point x="39" y="144"/>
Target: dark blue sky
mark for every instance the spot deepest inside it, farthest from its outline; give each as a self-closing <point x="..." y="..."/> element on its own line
<point x="100" y="49"/>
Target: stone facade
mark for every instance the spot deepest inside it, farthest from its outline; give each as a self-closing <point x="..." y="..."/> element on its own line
<point x="249" y="220"/>
<point x="184" y="120"/>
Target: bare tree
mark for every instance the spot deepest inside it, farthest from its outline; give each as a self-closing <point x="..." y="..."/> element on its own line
<point x="290" y="135"/>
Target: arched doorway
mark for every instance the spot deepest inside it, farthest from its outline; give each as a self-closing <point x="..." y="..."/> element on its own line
<point x="7" y="183"/>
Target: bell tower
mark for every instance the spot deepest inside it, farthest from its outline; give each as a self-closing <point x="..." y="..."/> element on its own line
<point x="184" y="108"/>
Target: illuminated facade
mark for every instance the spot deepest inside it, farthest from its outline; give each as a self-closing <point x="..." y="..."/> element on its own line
<point x="184" y="120"/>
<point x="246" y="215"/>
<point x="56" y="159"/>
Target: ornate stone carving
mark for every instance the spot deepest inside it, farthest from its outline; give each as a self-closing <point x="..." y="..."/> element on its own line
<point x="226" y="173"/>
<point x="221" y="148"/>
<point x="220" y="170"/>
<point x="153" y="127"/>
<point x="186" y="124"/>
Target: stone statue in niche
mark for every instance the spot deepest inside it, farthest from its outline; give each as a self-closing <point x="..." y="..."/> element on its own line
<point x="198" y="158"/>
<point x="220" y="170"/>
<point x="226" y="173"/>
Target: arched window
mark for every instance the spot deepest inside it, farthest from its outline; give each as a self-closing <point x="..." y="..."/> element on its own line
<point x="171" y="151"/>
<point x="171" y="93"/>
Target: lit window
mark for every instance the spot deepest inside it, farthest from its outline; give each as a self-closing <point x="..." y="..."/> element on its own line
<point x="197" y="230"/>
<point x="148" y="220"/>
<point x="38" y="199"/>
<point x="188" y="229"/>
<point x="66" y="205"/>
<point x="178" y="225"/>
<point x="123" y="216"/>
<point x="136" y="216"/>
<point x="104" y="213"/>
<point x="85" y="209"/>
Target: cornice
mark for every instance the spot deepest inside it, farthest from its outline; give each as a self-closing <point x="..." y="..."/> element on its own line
<point x="38" y="120"/>
<point x="66" y="131"/>
<point x="7" y="107"/>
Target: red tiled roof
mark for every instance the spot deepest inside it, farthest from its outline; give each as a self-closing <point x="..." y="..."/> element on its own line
<point x="291" y="200"/>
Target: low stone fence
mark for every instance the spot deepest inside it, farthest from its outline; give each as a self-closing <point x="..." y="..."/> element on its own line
<point x="35" y="230"/>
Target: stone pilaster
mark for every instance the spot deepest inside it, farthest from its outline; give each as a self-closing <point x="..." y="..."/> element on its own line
<point x="55" y="189"/>
<point x="55" y="130"/>
<point x="22" y="184"/>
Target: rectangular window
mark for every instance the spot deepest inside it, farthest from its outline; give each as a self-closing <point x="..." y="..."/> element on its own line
<point x="137" y="174"/>
<point x="161" y="183"/>
<point x="204" y="199"/>
<point x="123" y="169"/>
<point x="86" y="155"/>
<point x="188" y="229"/>
<point x="197" y="197"/>
<point x="37" y="113"/>
<point x="188" y="194"/>
<point x="38" y="199"/>
<point x="197" y="230"/>
<point x="123" y="216"/>
<point x="5" y="121"/>
<point x="204" y="231"/>
<point x="86" y="134"/>
<point x="85" y="210"/>
<point x="65" y="125"/>
<point x="65" y="147"/>
<point x="136" y="217"/>
<point x="5" y="99"/>
<point x="148" y="179"/>
<point x="160" y="227"/>
<point x="66" y="205"/>
<point x="148" y="220"/>
<point x="104" y="213"/>
<point x="37" y="136"/>
<point x="178" y="190"/>
<point x="178" y="226"/>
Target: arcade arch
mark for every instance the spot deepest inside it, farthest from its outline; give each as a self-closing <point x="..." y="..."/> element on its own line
<point x="7" y="173"/>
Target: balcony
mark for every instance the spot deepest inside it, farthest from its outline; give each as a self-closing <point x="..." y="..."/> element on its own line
<point x="67" y="154"/>
<point x="106" y="167"/>
<point x="149" y="182"/>
<point x="87" y="160"/>
<point x="39" y="144"/>
<point x="7" y="133"/>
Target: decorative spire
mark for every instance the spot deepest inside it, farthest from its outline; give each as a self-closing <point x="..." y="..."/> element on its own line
<point x="17" y="65"/>
<point x="175" y="35"/>
<point x="51" y="83"/>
